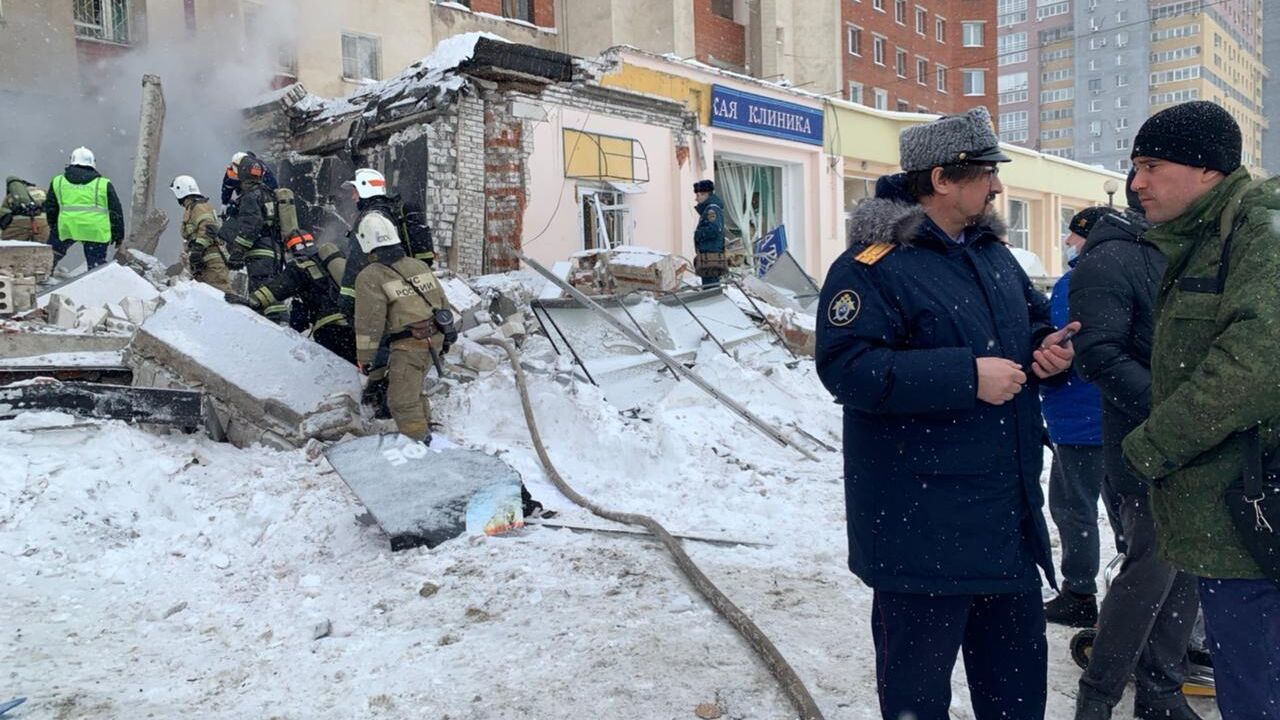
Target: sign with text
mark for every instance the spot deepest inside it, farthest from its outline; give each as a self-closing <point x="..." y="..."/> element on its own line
<point x="759" y="115"/>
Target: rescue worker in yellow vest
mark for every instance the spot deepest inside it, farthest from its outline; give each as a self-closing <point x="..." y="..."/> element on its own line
<point x="22" y="212"/>
<point x="82" y="207"/>
<point x="252" y="236"/>
<point x="204" y="255"/>
<point x="398" y="297"/>
<point x="370" y="188"/>
<point x="311" y="278"/>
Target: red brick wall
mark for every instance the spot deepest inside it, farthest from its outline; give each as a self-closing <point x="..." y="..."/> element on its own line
<point x="717" y="37"/>
<point x="949" y="53"/>
<point x="544" y="14"/>
<point x="505" y="193"/>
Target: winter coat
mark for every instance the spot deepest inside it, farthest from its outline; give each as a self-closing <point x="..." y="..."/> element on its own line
<point x="1073" y="409"/>
<point x="387" y="303"/>
<point x="310" y="279"/>
<point x="80" y="175"/>
<point x="415" y="238"/>
<point x="708" y="236"/>
<point x="1213" y="374"/>
<point x="254" y="231"/>
<point x="1113" y="296"/>
<point x="942" y="490"/>
<point x="231" y="187"/>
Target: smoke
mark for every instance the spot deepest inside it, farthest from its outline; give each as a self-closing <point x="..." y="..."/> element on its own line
<point x="207" y="76"/>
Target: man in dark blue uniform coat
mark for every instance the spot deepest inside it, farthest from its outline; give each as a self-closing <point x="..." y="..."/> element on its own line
<point x="708" y="237"/>
<point x="934" y="341"/>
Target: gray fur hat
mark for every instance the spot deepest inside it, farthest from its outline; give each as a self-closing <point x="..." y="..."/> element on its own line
<point x="950" y="140"/>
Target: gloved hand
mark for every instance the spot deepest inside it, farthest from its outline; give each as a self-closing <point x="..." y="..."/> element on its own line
<point x="5" y="220"/>
<point x="31" y="209"/>
<point x="235" y="263"/>
<point x="235" y="299"/>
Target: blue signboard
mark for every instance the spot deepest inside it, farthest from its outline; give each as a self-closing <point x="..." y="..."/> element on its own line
<point x="760" y="115"/>
<point x="770" y="247"/>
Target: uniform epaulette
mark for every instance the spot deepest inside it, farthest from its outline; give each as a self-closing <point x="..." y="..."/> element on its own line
<point x="874" y="253"/>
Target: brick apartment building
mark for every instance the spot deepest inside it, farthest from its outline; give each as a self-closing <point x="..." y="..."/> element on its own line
<point x="935" y="56"/>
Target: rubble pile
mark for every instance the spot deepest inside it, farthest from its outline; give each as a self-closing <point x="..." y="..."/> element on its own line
<point x="626" y="269"/>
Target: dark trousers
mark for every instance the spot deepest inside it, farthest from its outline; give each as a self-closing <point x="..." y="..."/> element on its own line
<point x="1005" y="654"/>
<point x="1145" y="623"/>
<point x="337" y="339"/>
<point x="262" y="271"/>
<point x="1075" y="483"/>
<point x="95" y="254"/>
<point x="1242" y="620"/>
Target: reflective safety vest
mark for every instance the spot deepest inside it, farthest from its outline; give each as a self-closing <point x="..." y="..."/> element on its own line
<point x="82" y="210"/>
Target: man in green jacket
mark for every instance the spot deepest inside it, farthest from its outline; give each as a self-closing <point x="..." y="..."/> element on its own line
<point x="1213" y="376"/>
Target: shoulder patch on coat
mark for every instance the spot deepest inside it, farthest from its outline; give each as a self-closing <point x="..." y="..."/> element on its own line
<point x="844" y="308"/>
<point x="711" y="215"/>
<point x="874" y="253"/>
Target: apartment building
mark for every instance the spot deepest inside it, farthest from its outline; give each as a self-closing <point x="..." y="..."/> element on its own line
<point x="928" y="56"/>
<point x="1084" y="74"/>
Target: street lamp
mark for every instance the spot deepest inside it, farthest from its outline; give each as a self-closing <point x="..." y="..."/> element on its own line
<point x="1110" y="187"/>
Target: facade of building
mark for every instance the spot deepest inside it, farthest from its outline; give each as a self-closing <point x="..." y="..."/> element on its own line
<point x="930" y="57"/>
<point x="1078" y="77"/>
<point x="1271" y="90"/>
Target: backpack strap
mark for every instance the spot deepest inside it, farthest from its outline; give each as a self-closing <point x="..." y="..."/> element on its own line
<point x="1228" y="223"/>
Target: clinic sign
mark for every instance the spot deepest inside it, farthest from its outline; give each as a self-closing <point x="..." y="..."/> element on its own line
<point x="759" y="115"/>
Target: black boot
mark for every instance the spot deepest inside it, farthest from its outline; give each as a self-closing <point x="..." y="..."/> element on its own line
<point x="1179" y="710"/>
<point x="1072" y="610"/>
<point x="1092" y="709"/>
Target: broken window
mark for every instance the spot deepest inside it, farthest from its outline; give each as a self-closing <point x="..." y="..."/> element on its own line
<point x="606" y="221"/>
<point x="518" y="10"/>
<point x="106" y="20"/>
<point x="360" y="57"/>
<point x="752" y="201"/>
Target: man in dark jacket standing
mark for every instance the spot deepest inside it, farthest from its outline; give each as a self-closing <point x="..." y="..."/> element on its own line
<point x="1148" y="613"/>
<point x="928" y="334"/>
<point x="709" y="260"/>
<point x="82" y="206"/>
<point x="1073" y="414"/>
<point x="1213" y="382"/>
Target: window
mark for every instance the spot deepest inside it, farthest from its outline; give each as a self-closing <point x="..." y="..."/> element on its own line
<point x="881" y="98"/>
<point x="1051" y="9"/>
<point x="1122" y="38"/>
<point x="1011" y="48"/>
<point x="922" y="22"/>
<point x="900" y="11"/>
<point x="1095" y="85"/>
<point x="974" y="82"/>
<point x="1122" y="80"/>
<point x="855" y="92"/>
<point x="855" y="40"/>
<point x="1010" y="12"/>
<point x="523" y="9"/>
<point x="1122" y="16"/>
<point x="972" y="32"/>
<point x="1012" y="88"/>
<point x="1122" y="123"/>
<point x="1014" y="120"/>
<point x="723" y="8"/>
<point x="940" y="29"/>
<point x="1122" y="165"/>
<point x="903" y="105"/>
<point x="606" y="221"/>
<point x="188" y="16"/>
<point x="922" y="71"/>
<point x="106" y="20"/>
<point x="360" y="61"/>
<point x="1097" y="43"/>
<point x="1095" y="106"/>
<point x="941" y="73"/>
<point x="900" y="62"/>
<point x="877" y="49"/>
<point x="1019" y="223"/>
<point x="1095" y="128"/>
<point x="1064" y="220"/>
<point x="1095" y="147"/>
<point x="877" y="5"/>
<point x="1122" y="102"/>
<point x="1122" y="143"/>
<point x="1093" y="63"/>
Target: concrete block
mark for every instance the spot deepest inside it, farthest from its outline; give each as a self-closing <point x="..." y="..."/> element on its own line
<point x="114" y="310"/>
<point x="479" y="331"/>
<point x="116" y="325"/>
<point x="33" y="344"/>
<point x="62" y="311"/>
<point x="136" y="310"/>
<point x="8" y="299"/>
<point x="24" y="294"/>
<point x="21" y="259"/>
<point x="267" y="384"/>
<point x="477" y="358"/>
<point x="110" y="283"/>
<point x="91" y="318"/>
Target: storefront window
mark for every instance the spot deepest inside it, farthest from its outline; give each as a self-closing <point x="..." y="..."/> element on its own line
<point x="1019" y="224"/>
<point x="855" y="191"/>
<point x="752" y="196"/>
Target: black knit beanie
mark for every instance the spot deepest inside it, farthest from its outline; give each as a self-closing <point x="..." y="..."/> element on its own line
<point x="1084" y="220"/>
<point x="1197" y="133"/>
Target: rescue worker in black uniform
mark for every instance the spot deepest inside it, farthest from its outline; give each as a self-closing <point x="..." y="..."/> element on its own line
<point x="231" y="182"/>
<point x="370" y="188"/>
<point x="252" y="236"/>
<point x="311" y="278"/>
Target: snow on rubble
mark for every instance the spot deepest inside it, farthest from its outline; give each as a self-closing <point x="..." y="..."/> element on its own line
<point x="166" y="575"/>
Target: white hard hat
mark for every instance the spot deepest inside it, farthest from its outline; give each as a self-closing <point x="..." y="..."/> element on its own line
<point x="236" y="158"/>
<point x="369" y="183"/>
<point x="184" y="186"/>
<point x="83" y="156"/>
<point x="376" y="230"/>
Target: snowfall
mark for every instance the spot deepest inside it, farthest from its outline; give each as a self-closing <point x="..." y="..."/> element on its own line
<point x="166" y="576"/>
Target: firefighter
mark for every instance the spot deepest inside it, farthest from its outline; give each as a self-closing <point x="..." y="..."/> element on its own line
<point x="370" y="188"/>
<point x="231" y="183"/>
<point x="22" y="212"/>
<point x="204" y="255"/>
<point x="252" y="235"/>
<point x="398" y="300"/>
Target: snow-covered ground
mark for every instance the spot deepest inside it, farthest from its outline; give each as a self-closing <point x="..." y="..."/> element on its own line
<point x="170" y="576"/>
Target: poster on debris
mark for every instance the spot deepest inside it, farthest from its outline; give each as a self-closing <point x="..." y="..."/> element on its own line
<point x="770" y="247"/>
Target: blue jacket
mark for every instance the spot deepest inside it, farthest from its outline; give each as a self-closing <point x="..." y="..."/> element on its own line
<point x="708" y="237"/>
<point x="942" y="490"/>
<point x="1072" y="410"/>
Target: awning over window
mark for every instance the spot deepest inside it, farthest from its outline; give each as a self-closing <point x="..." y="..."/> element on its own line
<point x="592" y="156"/>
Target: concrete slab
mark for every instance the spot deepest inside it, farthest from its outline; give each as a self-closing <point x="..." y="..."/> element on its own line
<point x="30" y="344"/>
<point x="110" y="283"/>
<point x="267" y="384"/>
<point x="19" y="258"/>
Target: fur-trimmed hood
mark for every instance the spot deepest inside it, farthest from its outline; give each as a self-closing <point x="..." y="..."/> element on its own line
<point x="893" y="216"/>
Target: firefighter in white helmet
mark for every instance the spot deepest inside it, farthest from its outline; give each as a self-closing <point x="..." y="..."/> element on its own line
<point x="400" y="302"/>
<point x="231" y="182"/>
<point x="204" y="254"/>
<point x="370" y="187"/>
